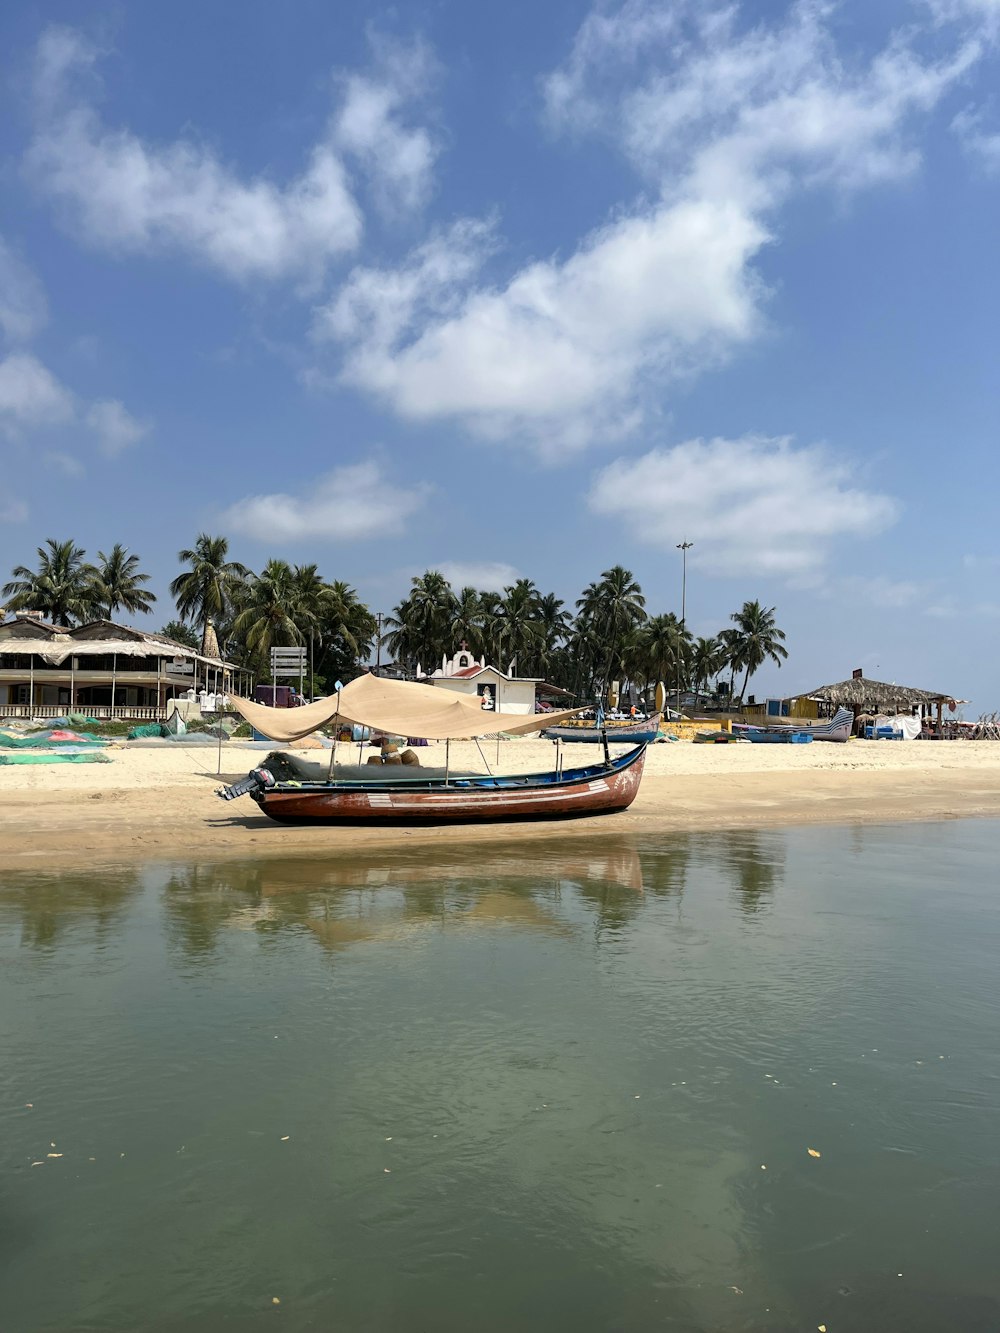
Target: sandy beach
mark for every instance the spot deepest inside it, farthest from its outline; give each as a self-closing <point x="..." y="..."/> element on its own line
<point x="158" y="803"/>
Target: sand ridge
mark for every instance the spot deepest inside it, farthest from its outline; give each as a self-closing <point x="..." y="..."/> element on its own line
<point x="159" y="803"/>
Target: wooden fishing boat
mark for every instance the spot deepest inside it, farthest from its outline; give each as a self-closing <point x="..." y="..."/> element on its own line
<point x="398" y="795"/>
<point x="760" y="736"/>
<point x="628" y="731"/>
<point x="836" y="728"/>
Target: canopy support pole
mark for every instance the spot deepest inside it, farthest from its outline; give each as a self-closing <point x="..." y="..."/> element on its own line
<point x="559" y="756"/>
<point x="482" y="756"/>
<point x="447" y="760"/>
<point x="336" y="732"/>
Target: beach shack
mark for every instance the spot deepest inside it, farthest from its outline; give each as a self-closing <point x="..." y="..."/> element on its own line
<point x="871" y="700"/>
<point x="103" y="669"/>
<point x="464" y="673"/>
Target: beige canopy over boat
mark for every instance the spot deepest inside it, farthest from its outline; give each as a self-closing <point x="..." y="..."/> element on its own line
<point x="398" y="708"/>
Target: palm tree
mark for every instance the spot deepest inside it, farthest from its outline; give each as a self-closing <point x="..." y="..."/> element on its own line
<point x="708" y="658"/>
<point x="616" y="606"/>
<point x="519" y="628"/>
<point x="467" y="623"/>
<point x="729" y="640"/>
<point x="584" y="648"/>
<point x="119" y="582"/>
<point x="421" y="624"/>
<point x="663" y="649"/>
<point x="491" y="604"/>
<point x="265" y="617"/>
<point x="63" y="587"/>
<point x="211" y="586"/>
<point x="759" y="639"/>
<point x="555" y="622"/>
<point x="347" y="632"/>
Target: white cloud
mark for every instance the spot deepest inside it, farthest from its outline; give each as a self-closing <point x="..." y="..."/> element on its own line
<point x="398" y="158"/>
<point x="483" y="575"/>
<point x="12" y="510"/>
<point x="984" y="12"/>
<point x="127" y="195"/>
<point x="748" y="114"/>
<point x="607" y="38"/>
<point x="23" y="308"/>
<point x="557" y="353"/>
<point x="347" y="504"/>
<point x="726" y="123"/>
<point x="115" y="427"/>
<point x="751" y="506"/>
<point x="31" y="396"/>
<point x="33" y="399"/>
<point x="983" y="145"/>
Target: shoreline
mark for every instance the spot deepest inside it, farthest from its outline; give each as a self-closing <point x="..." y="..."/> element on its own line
<point x="159" y="804"/>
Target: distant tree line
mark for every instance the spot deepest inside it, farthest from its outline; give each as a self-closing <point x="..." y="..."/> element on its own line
<point x="608" y="637"/>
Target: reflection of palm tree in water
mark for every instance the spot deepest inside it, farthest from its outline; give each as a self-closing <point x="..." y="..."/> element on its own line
<point x="665" y="873"/>
<point x="200" y="900"/>
<point x="756" y="863"/>
<point x="48" y="907"/>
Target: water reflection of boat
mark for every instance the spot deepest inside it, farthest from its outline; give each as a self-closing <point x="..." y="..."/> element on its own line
<point x="612" y="861"/>
<point x="402" y="893"/>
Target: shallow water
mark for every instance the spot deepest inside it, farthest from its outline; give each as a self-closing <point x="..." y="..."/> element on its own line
<point x="509" y="1088"/>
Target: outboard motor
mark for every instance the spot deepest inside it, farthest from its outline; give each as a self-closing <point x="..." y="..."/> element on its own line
<point x="257" y="778"/>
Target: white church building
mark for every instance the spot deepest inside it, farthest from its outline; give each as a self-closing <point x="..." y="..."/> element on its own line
<point x="499" y="691"/>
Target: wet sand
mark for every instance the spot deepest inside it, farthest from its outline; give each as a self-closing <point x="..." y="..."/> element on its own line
<point x="154" y="804"/>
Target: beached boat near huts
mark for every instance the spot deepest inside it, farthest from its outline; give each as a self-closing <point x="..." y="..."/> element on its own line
<point x="836" y="728"/>
<point x="626" y="731"/>
<point x="762" y="736"/>
<point x="413" y="795"/>
<point x="293" y="793"/>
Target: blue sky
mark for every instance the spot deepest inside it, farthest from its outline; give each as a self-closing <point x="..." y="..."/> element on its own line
<point x="521" y="290"/>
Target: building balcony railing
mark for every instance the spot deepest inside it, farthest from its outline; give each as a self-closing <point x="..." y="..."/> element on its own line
<point x="102" y="712"/>
<point x="85" y="675"/>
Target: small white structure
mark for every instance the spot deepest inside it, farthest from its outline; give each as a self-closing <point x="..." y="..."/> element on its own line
<point x="499" y="691"/>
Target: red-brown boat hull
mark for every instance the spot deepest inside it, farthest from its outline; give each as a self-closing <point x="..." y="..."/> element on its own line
<point x="602" y="793"/>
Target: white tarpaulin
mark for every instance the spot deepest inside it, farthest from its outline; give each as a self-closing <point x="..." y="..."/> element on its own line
<point x="905" y="723"/>
<point x="397" y="708"/>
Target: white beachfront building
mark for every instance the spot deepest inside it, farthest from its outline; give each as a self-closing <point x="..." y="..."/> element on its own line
<point x="499" y="691"/>
<point x="101" y="668"/>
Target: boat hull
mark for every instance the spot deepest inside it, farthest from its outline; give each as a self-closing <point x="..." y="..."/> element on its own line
<point x="836" y="728"/>
<point x="634" y="733"/>
<point x="599" y="789"/>
<point x="776" y="737"/>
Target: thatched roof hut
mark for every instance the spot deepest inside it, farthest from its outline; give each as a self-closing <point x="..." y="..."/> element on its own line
<point x="876" y="696"/>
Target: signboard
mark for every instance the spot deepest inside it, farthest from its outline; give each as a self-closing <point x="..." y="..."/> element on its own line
<point x="288" y="662"/>
<point x="858" y="673"/>
<point x="180" y="666"/>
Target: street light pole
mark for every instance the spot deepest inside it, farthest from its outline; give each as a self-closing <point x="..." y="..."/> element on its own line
<point x="683" y="547"/>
